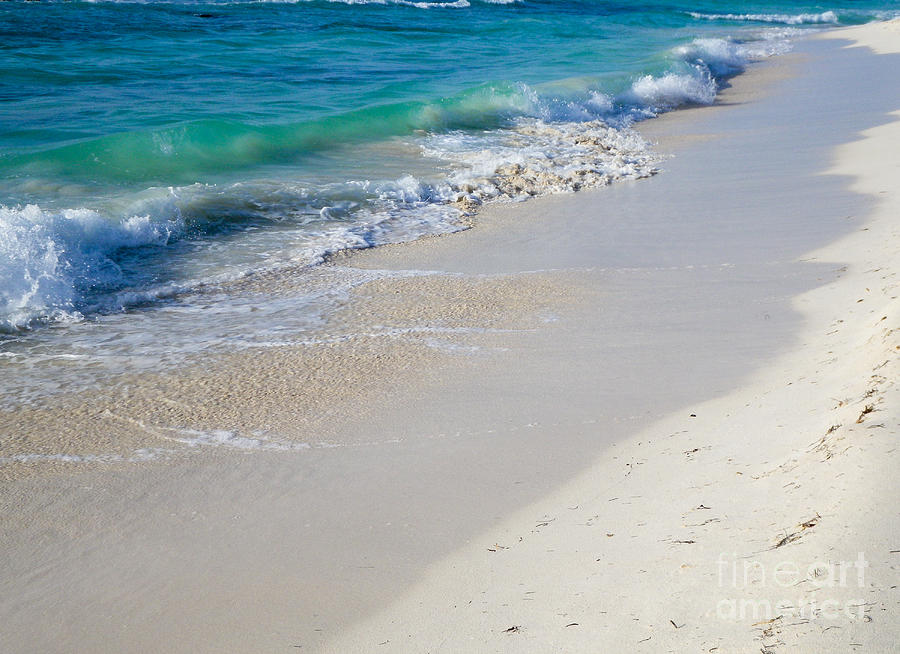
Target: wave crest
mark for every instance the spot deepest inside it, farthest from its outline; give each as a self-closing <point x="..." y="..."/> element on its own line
<point x="786" y="19"/>
<point x="496" y="141"/>
<point x="48" y="259"/>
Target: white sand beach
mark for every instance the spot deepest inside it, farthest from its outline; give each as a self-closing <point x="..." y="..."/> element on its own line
<point x="670" y="428"/>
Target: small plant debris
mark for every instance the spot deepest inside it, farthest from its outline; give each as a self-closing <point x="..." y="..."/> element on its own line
<point x="869" y="408"/>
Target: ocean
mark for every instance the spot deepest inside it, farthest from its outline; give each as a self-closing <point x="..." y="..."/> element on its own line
<point x="173" y="173"/>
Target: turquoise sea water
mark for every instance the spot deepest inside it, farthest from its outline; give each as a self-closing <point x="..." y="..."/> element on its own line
<point x="151" y="149"/>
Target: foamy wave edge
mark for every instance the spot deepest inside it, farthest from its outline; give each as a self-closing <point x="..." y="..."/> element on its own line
<point x="785" y="19"/>
<point x="50" y="260"/>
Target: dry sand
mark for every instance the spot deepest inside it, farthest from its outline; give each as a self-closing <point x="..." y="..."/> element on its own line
<point x="364" y="491"/>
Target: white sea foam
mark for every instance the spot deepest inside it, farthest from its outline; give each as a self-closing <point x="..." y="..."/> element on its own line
<point x="538" y="158"/>
<point x="256" y="442"/>
<point x="47" y="257"/>
<point x="787" y="19"/>
<point x="673" y="90"/>
<point x="458" y="4"/>
<point x="58" y="265"/>
<point x="232" y="440"/>
<point x="137" y="456"/>
<point x="192" y="439"/>
<point x="695" y="74"/>
<point x="723" y="57"/>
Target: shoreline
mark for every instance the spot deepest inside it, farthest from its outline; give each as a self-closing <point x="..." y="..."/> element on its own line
<point x="771" y="546"/>
<point x="488" y="311"/>
<point x="58" y="431"/>
<point x="133" y="354"/>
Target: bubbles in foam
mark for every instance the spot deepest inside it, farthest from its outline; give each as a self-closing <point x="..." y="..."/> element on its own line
<point x="49" y="258"/>
<point x="231" y="440"/>
<point x="707" y="60"/>
<point x="723" y="57"/>
<point x="538" y="158"/>
<point x="787" y="19"/>
<point x="60" y="264"/>
<point x="673" y="90"/>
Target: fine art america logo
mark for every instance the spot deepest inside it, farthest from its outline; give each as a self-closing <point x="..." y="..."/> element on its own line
<point x="817" y="590"/>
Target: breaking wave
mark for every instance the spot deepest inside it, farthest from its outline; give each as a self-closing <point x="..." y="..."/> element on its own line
<point x="493" y="142"/>
<point x="785" y="19"/>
